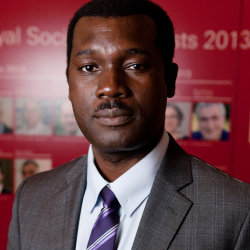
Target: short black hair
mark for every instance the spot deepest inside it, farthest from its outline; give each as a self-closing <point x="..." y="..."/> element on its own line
<point x="118" y="8"/>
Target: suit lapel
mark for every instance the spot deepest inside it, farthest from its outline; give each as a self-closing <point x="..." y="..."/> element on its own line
<point x="166" y="207"/>
<point x="66" y="207"/>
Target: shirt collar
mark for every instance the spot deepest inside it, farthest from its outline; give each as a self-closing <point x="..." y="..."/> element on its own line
<point x="95" y="182"/>
<point x="137" y="181"/>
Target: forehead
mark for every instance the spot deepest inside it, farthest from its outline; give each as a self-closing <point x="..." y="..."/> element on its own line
<point x="210" y="110"/>
<point x="171" y="109"/>
<point x="29" y="165"/>
<point x="136" y="29"/>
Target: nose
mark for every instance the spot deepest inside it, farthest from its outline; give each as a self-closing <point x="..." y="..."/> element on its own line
<point x="112" y="84"/>
<point x="210" y="124"/>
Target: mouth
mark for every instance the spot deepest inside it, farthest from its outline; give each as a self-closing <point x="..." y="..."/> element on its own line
<point x="114" y="117"/>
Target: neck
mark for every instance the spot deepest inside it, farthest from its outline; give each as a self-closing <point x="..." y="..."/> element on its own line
<point x="112" y="165"/>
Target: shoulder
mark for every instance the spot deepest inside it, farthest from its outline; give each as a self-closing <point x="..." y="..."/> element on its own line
<point x="217" y="185"/>
<point x="7" y="129"/>
<point x="40" y="190"/>
<point x="197" y="135"/>
<point x="225" y="135"/>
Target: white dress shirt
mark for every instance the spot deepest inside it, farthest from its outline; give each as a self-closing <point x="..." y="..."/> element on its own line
<point x="131" y="189"/>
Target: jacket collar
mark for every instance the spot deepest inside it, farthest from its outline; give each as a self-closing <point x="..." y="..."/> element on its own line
<point x="166" y="207"/>
<point x="176" y="166"/>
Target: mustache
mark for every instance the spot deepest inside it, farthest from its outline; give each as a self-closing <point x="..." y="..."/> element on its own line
<point x="111" y="105"/>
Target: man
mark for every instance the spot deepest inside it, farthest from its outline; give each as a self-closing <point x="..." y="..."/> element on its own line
<point x="148" y="191"/>
<point x="211" y="119"/>
<point x="29" y="168"/>
<point x="33" y="120"/>
<point x="4" y="129"/>
<point x="68" y="121"/>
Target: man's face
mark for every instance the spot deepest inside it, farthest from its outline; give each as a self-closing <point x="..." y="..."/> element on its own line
<point x="211" y="122"/>
<point x="29" y="170"/>
<point x="117" y="82"/>
<point x="171" y="120"/>
<point x="68" y="119"/>
<point x="32" y="113"/>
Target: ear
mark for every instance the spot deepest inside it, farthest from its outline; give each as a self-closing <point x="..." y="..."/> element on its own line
<point x="171" y="78"/>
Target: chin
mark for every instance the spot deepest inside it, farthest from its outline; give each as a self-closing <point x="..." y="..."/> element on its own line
<point x="211" y="138"/>
<point x="114" y="142"/>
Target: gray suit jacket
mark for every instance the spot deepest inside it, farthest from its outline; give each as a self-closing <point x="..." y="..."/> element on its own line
<point x="192" y="205"/>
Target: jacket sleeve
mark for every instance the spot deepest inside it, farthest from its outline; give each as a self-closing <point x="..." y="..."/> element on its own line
<point x="14" y="241"/>
<point x="243" y="241"/>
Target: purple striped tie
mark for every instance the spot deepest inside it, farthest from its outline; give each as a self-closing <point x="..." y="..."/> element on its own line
<point x="105" y="228"/>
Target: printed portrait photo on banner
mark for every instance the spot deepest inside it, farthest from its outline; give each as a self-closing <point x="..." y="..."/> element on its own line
<point x="6" y="177"/>
<point x="33" y="116"/>
<point x="177" y="119"/>
<point x="6" y="115"/>
<point x="211" y="121"/>
<point x="65" y="122"/>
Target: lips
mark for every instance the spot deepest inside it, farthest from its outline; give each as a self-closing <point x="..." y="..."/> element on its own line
<point x="114" y="117"/>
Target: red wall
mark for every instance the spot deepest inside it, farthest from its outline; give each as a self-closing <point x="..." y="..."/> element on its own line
<point x="213" y="54"/>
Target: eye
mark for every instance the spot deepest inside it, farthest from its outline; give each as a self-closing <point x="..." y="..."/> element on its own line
<point x="136" y="67"/>
<point x="89" y="68"/>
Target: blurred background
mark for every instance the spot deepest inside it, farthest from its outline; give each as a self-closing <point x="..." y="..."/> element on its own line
<point x="209" y="116"/>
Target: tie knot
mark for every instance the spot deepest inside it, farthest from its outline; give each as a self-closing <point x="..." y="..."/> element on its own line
<point x="108" y="198"/>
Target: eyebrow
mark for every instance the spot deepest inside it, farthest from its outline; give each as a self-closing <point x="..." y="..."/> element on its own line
<point x="86" y="52"/>
<point x="135" y="51"/>
<point x="132" y="51"/>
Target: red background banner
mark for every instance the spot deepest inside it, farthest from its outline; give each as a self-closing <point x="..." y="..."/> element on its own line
<point x="212" y="51"/>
